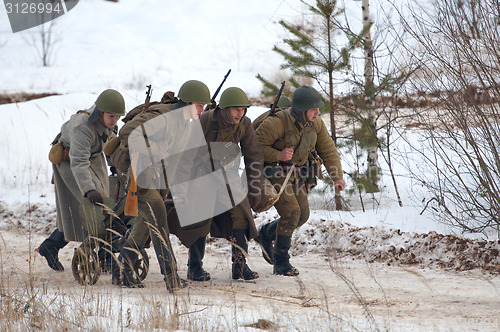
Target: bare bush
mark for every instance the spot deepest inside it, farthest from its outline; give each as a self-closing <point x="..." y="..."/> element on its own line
<point x="43" y="41"/>
<point x="457" y="62"/>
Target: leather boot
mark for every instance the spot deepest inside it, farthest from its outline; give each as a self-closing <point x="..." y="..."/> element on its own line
<point x="239" y="251"/>
<point x="195" y="262"/>
<point x="267" y="234"/>
<point x="116" y="273"/>
<point x="168" y="267"/>
<point x="105" y="257"/>
<point x="127" y="260"/>
<point x="50" y="249"/>
<point x="282" y="264"/>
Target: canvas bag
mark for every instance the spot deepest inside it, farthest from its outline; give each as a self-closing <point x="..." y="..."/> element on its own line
<point x="116" y="149"/>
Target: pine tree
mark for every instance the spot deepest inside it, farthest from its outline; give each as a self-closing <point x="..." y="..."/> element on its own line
<point x="313" y="51"/>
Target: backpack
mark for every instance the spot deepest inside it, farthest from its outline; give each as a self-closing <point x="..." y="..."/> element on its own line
<point x="117" y="148"/>
<point x="287" y="126"/>
<point x="256" y="123"/>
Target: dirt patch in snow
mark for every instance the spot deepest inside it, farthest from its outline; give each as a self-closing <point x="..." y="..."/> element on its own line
<point x="393" y="247"/>
<point x="334" y="239"/>
<point x="10" y="98"/>
<point x="38" y="217"/>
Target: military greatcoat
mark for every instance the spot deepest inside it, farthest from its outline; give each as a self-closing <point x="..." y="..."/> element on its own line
<point x="217" y="130"/>
<point x="84" y="134"/>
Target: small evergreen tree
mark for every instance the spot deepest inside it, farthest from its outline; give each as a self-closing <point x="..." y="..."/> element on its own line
<point x="321" y="49"/>
<point x="313" y="51"/>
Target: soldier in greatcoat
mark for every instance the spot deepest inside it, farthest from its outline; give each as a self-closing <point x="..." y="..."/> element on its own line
<point x="289" y="140"/>
<point x="227" y="127"/>
<point x="82" y="172"/>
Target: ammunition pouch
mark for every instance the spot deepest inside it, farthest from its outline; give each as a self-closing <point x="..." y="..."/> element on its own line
<point x="58" y="153"/>
<point x="313" y="170"/>
<point x="226" y="155"/>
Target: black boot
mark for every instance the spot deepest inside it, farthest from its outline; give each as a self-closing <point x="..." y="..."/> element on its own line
<point x="168" y="267"/>
<point x="239" y="251"/>
<point x="267" y="234"/>
<point x="195" y="262"/>
<point x="105" y="257"/>
<point x="50" y="249"/>
<point x="116" y="273"/>
<point x="282" y="258"/>
<point x="126" y="261"/>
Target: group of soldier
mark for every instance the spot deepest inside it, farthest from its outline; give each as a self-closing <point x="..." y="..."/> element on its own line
<point x="279" y="151"/>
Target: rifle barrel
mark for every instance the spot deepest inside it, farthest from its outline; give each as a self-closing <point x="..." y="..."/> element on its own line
<point x="275" y="103"/>
<point x="149" y="91"/>
<point x="220" y="86"/>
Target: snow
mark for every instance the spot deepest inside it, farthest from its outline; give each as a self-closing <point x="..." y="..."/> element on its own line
<point x="132" y="43"/>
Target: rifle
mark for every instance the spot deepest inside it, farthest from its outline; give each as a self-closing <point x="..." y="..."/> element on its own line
<point x="132" y="202"/>
<point x="272" y="112"/>
<point x="148" y="98"/>
<point x="218" y="89"/>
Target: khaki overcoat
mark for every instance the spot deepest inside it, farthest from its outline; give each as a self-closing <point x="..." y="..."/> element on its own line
<point x="217" y="130"/>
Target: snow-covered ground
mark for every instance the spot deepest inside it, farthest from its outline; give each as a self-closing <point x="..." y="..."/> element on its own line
<point x="330" y="294"/>
<point x="415" y="279"/>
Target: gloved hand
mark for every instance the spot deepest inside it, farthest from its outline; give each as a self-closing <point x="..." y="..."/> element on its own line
<point x="254" y="199"/>
<point x="93" y="196"/>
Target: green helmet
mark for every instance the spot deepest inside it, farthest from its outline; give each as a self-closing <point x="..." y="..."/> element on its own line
<point x="111" y="101"/>
<point x="284" y="102"/>
<point x="194" y="92"/>
<point x="306" y="97"/>
<point x="233" y="97"/>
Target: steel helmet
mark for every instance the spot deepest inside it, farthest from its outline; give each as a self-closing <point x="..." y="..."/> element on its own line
<point x="194" y="92"/>
<point x="303" y="99"/>
<point x="111" y="101"/>
<point x="233" y="97"/>
<point x="306" y="97"/>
